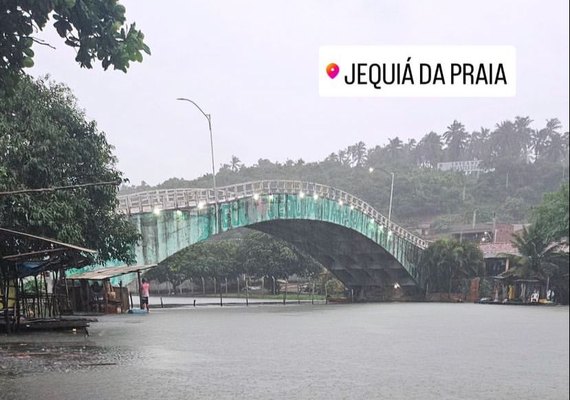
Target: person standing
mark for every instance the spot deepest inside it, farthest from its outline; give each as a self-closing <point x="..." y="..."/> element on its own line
<point x="145" y="294"/>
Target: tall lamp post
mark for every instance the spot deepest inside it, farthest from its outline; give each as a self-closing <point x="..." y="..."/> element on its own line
<point x="209" y="118"/>
<point x="391" y="192"/>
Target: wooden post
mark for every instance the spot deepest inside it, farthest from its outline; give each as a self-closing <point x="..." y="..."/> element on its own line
<point x="48" y="304"/>
<point x="139" y="288"/>
<point x="87" y="294"/>
<point x="121" y="295"/>
<point x="37" y="296"/>
<point x="285" y="291"/>
<point x="105" y="295"/>
<point x="17" y="305"/>
<point x="54" y="300"/>
<point x="68" y="301"/>
<point x="246" y="291"/>
<point x="24" y="299"/>
<point x="313" y="293"/>
<point x="5" y="305"/>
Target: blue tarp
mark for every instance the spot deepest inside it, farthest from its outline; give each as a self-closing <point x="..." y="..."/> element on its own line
<point x="31" y="268"/>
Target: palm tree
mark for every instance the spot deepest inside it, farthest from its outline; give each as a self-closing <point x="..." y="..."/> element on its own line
<point x="344" y="157"/>
<point x="446" y="262"/>
<point x="555" y="150"/>
<point x="456" y="138"/>
<point x="235" y="164"/>
<point x="358" y="153"/>
<point x="409" y="151"/>
<point x="548" y="142"/>
<point x="333" y="158"/>
<point x="478" y="144"/>
<point x="429" y="150"/>
<point x="539" y="258"/>
<point x="394" y="148"/>
<point x="524" y="135"/>
<point x="511" y="140"/>
<point x="539" y="142"/>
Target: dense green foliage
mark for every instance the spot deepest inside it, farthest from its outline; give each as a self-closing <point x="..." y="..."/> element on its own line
<point x="45" y="142"/>
<point x="539" y="257"/>
<point x="446" y="263"/>
<point x="248" y="252"/>
<point x="552" y="216"/>
<point x="95" y="28"/>
<point x="521" y="163"/>
<point x="543" y="247"/>
<point x="253" y="253"/>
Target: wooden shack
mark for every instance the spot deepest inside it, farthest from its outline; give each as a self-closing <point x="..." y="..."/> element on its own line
<point x="92" y="291"/>
<point x="27" y="263"/>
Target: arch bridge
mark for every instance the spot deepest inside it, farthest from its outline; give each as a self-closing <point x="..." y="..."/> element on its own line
<point x="360" y="246"/>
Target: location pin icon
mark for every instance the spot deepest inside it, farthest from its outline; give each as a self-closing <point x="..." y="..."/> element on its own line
<point x="332" y="70"/>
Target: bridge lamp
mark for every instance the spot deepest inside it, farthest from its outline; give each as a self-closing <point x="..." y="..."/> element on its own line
<point x="270" y="197"/>
<point x="178" y="213"/>
<point x="351" y="207"/>
<point x="256" y="196"/>
<point x="201" y="205"/>
<point x="156" y="210"/>
<point x="391" y="190"/>
<point x="315" y="196"/>
<point x="302" y="194"/>
<point x="371" y="220"/>
<point x="396" y="285"/>
<point x="340" y="203"/>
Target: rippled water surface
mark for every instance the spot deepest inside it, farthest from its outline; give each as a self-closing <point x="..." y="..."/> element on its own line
<point x="360" y="351"/>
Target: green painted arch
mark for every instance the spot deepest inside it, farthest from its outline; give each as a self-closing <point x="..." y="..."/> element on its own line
<point x="170" y="221"/>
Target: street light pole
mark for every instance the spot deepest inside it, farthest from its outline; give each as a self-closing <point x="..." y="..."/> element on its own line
<point x="209" y="118"/>
<point x="391" y="197"/>
<point x="391" y="192"/>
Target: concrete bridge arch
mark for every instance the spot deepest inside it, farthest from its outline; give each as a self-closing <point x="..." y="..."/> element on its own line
<point x="355" y="242"/>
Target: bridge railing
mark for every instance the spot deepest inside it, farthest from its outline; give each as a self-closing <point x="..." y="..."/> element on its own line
<point x="172" y="199"/>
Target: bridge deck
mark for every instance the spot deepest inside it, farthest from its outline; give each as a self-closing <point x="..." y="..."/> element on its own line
<point x="178" y="199"/>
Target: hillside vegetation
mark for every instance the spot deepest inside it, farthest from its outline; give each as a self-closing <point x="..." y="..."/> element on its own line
<point x="520" y="163"/>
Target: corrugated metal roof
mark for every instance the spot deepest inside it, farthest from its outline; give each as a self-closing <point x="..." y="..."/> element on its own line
<point x="106" y="273"/>
<point x="498" y="250"/>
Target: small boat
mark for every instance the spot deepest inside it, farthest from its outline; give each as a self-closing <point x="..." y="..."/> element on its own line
<point x="516" y="302"/>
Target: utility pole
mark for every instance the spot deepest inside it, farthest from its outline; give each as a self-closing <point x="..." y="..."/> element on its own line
<point x="494" y="228"/>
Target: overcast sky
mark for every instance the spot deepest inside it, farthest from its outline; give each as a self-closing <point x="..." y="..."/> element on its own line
<point x="253" y="66"/>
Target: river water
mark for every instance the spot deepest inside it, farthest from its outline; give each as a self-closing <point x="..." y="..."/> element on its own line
<point x="352" y="351"/>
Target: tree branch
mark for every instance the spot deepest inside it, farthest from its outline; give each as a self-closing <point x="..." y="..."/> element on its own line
<point x="53" y="189"/>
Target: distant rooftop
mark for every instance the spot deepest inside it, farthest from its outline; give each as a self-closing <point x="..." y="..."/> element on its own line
<point x="497" y="250"/>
